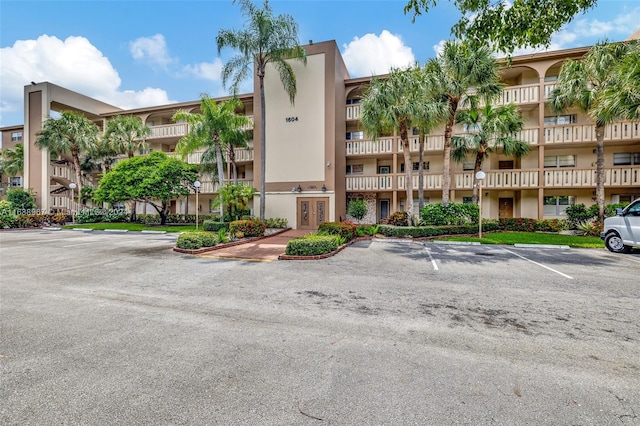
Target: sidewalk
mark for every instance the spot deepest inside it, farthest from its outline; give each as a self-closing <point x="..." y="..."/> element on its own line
<point x="267" y="249"/>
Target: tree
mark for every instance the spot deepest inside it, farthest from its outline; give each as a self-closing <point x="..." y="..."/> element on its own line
<point x="583" y="84"/>
<point x="214" y="129"/>
<point x="235" y="197"/>
<point x="13" y="160"/>
<point x="155" y="179"/>
<point x="395" y="103"/>
<point x="71" y="134"/>
<point x="457" y="71"/>
<point x="21" y="200"/>
<point x="508" y="25"/>
<point x="126" y="134"/>
<point x="490" y="129"/>
<point x="623" y="98"/>
<point x="266" y="39"/>
<point x="358" y="209"/>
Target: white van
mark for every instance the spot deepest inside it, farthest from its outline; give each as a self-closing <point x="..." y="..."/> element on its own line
<point x="621" y="232"/>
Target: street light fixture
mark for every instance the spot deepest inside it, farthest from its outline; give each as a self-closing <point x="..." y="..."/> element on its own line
<point x="480" y="177"/>
<point x="73" y="186"/>
<point x="197" y="185"/>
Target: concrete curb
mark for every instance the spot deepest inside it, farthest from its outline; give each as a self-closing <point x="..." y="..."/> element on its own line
<point x="458" y="243"/>
<point x="226" y="245"/>
<point x="82" y="229"/>
<point x="145" y="231"/>
<point x="118" y="231"/>
<point x="549" y="246"/>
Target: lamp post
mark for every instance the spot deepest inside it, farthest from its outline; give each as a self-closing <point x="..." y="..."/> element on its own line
<point x="480" y="177"/>
<point x="197" y="184"/>
<point x="72" y="186"/>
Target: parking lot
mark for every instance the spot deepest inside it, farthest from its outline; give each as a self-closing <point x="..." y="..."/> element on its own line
<point x="105" y="328"/>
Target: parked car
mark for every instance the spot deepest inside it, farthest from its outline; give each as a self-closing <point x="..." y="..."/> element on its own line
<point x="622" y="231"/>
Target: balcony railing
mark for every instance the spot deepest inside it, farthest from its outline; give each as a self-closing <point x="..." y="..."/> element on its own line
<point x="209" y="187"/>
<point x="518" y="95"/>
<point x="362" y="147"/>
<point x="370" y="183"/>
<point x="499" y="179"/>
<point x="242" y="155"/>
<point x="168" y="130"/>
<point x="61" y="172"/>
<point x="614" y="176"/>
<point x="431" y="181"/>
<point x="625" y="130"/>
<point x="59" y="202"/>
<point x="548" y="88"/>
<point x="353" y="112"/>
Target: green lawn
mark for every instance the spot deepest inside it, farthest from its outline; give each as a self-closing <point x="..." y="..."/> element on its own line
<point x="134" y="227"/>
<point x="533" y="238"/>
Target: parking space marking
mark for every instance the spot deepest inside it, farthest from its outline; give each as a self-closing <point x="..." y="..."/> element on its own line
<point x="539" y="264"/>
<point x="433" y="261"/>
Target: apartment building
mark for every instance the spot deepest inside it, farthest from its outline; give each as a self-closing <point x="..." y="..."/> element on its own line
<point x="318" y="157"/>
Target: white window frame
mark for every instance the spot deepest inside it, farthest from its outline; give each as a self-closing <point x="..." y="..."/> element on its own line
<point x="557" y="163"/>
<point x="352" y="169"/>
<point x="560" y="206"/>
<point x="16" y="136"/>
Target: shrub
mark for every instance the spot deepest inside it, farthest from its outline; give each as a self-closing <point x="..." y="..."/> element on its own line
<point x="196" y="240"/>
<point x="519" y="224"/>
<point x="610" y="209"/>
<point x="89" y="216"/>
<point x="369" y="230"/>
<point x="31" y="220"/>
<point x="397" y="219"/>
<point x="223" y="237"/>
<point x="426" y="231"/>
<point x="346" y="230"/>
<point x="213" y="226"/>
<point x="591" y="229"/>
<point x="21" y="200"/>
<point x="312" y="245"/>
<point x="7" y="217"/>
<point x="452" y="214"/>
<point x="357" y="209"/>
<point x="60" y="218"/>
<point x="276" y="222"/>
<point x="551" y="225"/>
<point x="247" y="228"/>
<point x="115" y="215"/>
<point x="578" y="213"/>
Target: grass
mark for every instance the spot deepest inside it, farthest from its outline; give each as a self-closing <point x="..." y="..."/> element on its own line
<point x="134" y="227"/>
<point x="533" y="238"/>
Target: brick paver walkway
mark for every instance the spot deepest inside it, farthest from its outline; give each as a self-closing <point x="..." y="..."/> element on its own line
<point x="266" y="249"/>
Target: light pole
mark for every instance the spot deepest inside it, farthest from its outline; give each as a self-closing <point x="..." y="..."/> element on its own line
<point x="73" y="211"/>
<point x="197" y="184"/>
<point x="480" y="177"/>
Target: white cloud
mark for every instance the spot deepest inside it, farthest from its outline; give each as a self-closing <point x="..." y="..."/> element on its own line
<point x="206" y="70"/>
<point x="372" y="54"/>
<point x="151" y="50"/>
<point x="73" y="63"/>
<point x="438" y="48"/>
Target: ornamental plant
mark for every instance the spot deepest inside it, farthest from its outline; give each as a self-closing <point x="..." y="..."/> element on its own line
<point x="7" y="217"/>
<point x="347" y="230"/>
<point x="247" y="228"/>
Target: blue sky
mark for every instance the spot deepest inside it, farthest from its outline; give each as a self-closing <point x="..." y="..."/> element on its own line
<point x="141" y="53"/>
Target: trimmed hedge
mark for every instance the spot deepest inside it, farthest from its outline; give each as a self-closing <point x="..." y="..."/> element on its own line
<point x="312" y="245"/>
<point x="346" y="230"/>
<point x="213" y="226"/>
<point x="426" y="231"/>
<point x="438" y="214"/>
<point x="247" y="228"/>
<point x="154" y="219"/>
<point x="196" y="240"/>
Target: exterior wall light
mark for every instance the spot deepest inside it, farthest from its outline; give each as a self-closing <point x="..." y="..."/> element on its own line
<point x="324" y="188"/>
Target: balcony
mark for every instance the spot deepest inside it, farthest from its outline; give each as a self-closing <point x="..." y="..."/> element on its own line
<point x="370" y="183"/>
<point x="210" y="187"/>
<point x="59" y="202"/>
<point x="499" y="179"/>
<point x="431" y="181"/>
<point x="353" y="112"/>
<point x="168" y="131"/>
<point x="614" y="176"/>
<point x="362" y="147"/>
<point x="525" y="94"/>
<point x="548" y="88"/>
<point x="621" y="131"/>
<point x="242" y="155"/>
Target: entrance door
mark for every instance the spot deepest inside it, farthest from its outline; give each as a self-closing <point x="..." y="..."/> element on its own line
<point x="506" y="207"/>
<point x="384" y="210"/>
<point x="312" y="212"/>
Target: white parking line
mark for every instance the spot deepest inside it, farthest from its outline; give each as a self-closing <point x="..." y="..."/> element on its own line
<point x="433" y="262"/>
<point x="539" y="264"/>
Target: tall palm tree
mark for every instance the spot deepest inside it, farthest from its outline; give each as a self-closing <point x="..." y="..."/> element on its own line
<point x="13" y="160"/>
<point x="72" y="134"/>
<point x="582" y="84"/>
<point x="266" y="39"/>
<point x="458" y="70"/>
<point x="490" y="129"/>
<point x="623" y="98"/>
<point x="211" y="129"/>
<point x="395" y="103"/>
<point x="238" y="139"/>
<point x="126" y="134"/>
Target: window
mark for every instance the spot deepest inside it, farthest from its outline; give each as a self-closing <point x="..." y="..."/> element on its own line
<point x="468" y="165"/>
<point x="384" y="170"/>
<point x="559" y="161"/>
<point x="353" y="101"/>
<point x="355" y="135"/>
<point x="626" y="158"/>
<point x="550" y="78"/>
<point x="355" y="169"/>
<point x="558" y="120"/>
<point x="467" y="200"/>
<point x="505" y="165"/>
<point x="16" y="136"/>
<point x="557" y="205"/>
<point x="425" y="166"/>
<point x="15" y="181"/>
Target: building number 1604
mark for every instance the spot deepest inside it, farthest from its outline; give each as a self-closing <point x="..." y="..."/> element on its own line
<point x="291" y="119"/>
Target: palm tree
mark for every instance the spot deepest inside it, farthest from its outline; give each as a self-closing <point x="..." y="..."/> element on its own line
<point x="266" y="39"/>
<point x="126" y="134"/>
<point x="623" y="98"/>
<point x="238" y="139"/>
<point x="458" y="70"/>
<point x="583" y="84"/>
<point x="212" y="129"/>
<point x="13" y="160"/>
<point x="71" y="134"/>
<point x="395" y="103"/>
<point x="490" y="129"/>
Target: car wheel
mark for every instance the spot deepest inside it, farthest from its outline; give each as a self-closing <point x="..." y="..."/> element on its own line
<point x="614" y="243"/>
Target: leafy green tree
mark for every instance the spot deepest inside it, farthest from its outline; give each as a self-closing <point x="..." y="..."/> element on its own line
<point x="266" y="39"/>
<point x="490" y="129"/>
<point x="155" y="179"/>
<point x="358" y="209"/>
<point x="13" y="160"/>
<point x="508" y="25"/>
<point x="394" y="103"/>
<point x="21" y="199"/>
<point x="583" y="84"/>
<point x="458" y="70"/>
<point x="235" y="198"/>
<point x="72" y="134"/>
<point x="214" y="129"/>
<point x="623" y="98"/>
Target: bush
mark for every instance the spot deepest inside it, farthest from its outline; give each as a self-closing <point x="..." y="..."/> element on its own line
<point x="115" y="215"/>
<point x="426" y="231"/>
<point x="369" y="230"/>
<point x="346" y="230"/>
<point x="247" y="228"/>
<point x="551" y="225"/>
<point x="610" y="209"/>
<point x="154" y="219"/>
<point x="591" y="229"/>
<point x="7" y="217"/>
<point x="452" y="214"/>
<point x="31" y="220"/>
<point x="213" y="226"/>
<point x="312" y="245"/>
<point x="21" y="200"/>
<point x="196" y="240"/>
<point x="578" y="213"/>
<point x="517" y="224"/>
<point x="276" y="222"/>
<point x="397" y="219"/>
<point x="59" y="218"/>
<point x="357" y="209"/>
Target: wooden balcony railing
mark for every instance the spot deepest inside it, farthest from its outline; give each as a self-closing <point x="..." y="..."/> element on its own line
<point x="369" y="183"/>
<point x="242" y="155"/>
<point x="168" y="130"/>
<point x="59" y="202"/>
<point x="499" y="179"/>
<point x="209" y="187"/>
<point x="362" y="147"/>
<point x="353" y="112"/>
<point x="614" y="176"/>
<point x="548" y="88"/>
<point x="620" y="131"/>
<point x="431" y="181"/>
<point x="518" y="95"/>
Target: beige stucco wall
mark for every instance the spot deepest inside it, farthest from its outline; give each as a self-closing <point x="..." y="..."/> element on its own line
<point x="284" y="205"/>
<point x="295" y="149"/>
